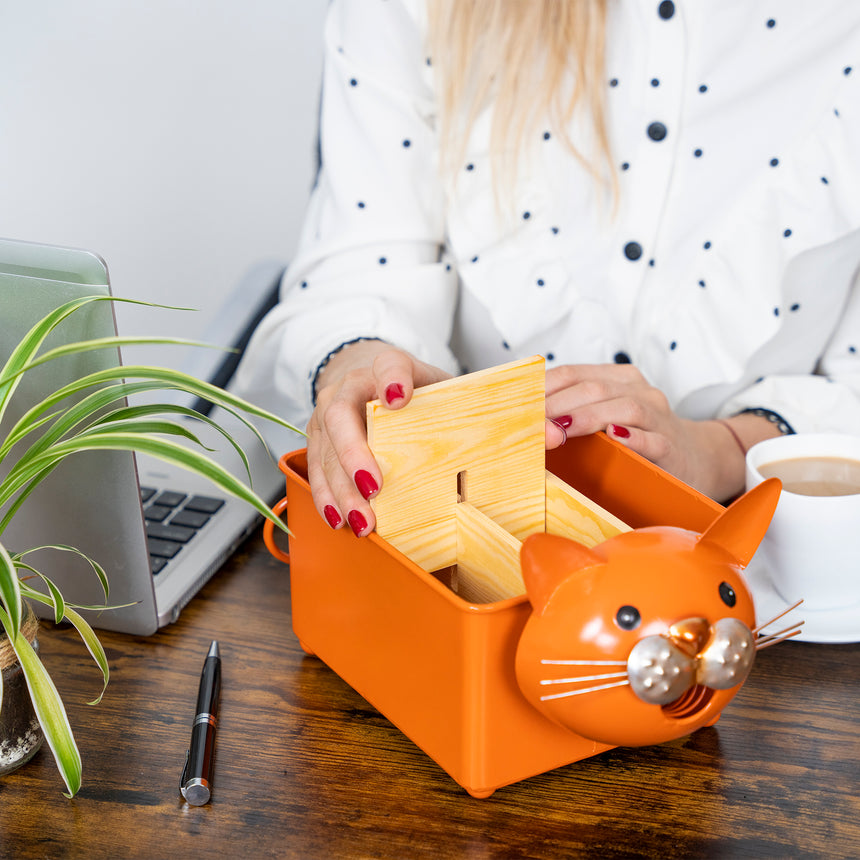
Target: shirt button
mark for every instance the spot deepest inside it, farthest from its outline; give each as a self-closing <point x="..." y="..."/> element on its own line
<point x="621" y="358"/>
<point x="657" y="131"/>
<point x="666" y="9"/>
<point x="633" y="250"/>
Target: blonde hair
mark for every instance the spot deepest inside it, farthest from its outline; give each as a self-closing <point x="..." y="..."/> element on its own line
<point x="531" y="59"/>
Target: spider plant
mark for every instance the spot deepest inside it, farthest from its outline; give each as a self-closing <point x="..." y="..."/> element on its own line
<point x="90" y="413"/>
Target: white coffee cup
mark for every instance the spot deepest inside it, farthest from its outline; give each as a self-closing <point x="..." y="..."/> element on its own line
<point x="812" y="548"/>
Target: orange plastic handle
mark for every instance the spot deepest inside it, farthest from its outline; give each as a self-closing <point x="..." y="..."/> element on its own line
<point x="269" y="533"/>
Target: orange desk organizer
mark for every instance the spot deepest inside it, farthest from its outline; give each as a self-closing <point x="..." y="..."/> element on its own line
<point x="429" y="619"/>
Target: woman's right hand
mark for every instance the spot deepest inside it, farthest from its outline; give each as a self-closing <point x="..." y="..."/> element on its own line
<point x="341" y="469"/>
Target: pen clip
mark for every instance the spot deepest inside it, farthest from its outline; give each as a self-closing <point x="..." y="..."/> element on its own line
<point x="182" y="779"/>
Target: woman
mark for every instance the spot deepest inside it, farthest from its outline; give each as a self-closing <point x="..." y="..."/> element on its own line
<point x="662" y="198"/>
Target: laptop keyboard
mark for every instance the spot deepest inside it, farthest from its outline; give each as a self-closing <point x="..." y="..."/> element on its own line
<point x="172" y="520"/>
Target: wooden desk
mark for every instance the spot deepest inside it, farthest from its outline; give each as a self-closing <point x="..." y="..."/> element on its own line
<point x="306" y="768"/>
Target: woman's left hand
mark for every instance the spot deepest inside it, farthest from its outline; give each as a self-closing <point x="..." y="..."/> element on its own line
<point x="616" y="398"/>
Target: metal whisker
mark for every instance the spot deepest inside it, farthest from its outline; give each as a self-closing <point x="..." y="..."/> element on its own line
<point x="583" y="662"/>
<point x="582" y="678"/>
<point x="586" y="690"/>
<point x="761" y="627"/>
<point x="776" y="638"/>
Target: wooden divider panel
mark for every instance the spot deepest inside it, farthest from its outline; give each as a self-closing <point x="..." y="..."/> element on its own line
<point x="478" y="438"/>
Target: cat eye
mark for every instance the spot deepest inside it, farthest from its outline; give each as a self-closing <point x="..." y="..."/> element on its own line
<point x="628" y="618"/>
<point x="727" y="594"/>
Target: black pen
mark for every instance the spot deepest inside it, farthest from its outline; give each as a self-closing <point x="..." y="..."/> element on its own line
<point x="195" y="784"/>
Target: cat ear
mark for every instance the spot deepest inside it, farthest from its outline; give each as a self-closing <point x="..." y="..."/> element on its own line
<point x="547" y="561"/>
<point x="740" y="528"/>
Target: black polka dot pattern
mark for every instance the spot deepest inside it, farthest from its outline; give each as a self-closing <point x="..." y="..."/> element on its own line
<point x="633" y="251"/>
<point x="653" y="91"/>
<point x="657" y="131"/>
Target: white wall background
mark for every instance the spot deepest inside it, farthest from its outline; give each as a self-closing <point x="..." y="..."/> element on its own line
<point x="176" y="138"/>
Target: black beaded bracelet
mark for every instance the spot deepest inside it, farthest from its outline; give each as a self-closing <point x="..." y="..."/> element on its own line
<point x="321" y="366"/>
<point x="774" y="417"/>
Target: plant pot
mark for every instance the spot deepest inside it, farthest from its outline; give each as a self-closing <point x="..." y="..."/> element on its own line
<point x="20" y="733"/>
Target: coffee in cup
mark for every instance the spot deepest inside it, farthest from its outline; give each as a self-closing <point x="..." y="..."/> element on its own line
<point x="812" y="548"/>
<point x="815" y="476"/>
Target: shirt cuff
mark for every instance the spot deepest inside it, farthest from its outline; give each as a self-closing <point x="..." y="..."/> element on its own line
<point x="805" y="403"/>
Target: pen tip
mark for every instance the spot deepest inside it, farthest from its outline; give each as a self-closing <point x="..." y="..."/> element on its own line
<point x="214" y="650"/>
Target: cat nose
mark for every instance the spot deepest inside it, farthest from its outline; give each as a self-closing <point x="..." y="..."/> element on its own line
<point x="690" y="635"/>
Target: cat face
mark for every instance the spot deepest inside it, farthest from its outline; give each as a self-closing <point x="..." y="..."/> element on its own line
<point x="647" y="636"/>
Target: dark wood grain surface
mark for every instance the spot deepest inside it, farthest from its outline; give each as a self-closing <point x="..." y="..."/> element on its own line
<point x="306" y="768"/>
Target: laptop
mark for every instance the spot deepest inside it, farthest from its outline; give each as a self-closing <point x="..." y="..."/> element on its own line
<point x="159" y="532"/>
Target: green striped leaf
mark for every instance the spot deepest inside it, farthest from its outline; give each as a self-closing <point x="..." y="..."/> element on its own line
<point x="164" y="449"/>
<point x="97" y="569"/>
<point x="10" y="593"/>
<point x="49" y="710"/>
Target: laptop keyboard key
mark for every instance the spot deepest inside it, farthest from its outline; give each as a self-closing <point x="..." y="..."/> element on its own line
<point x="190" y="519"/>
<point x="166" y="535"/>
<point x="178" y="534"/>
<point x="157" y="564"/>
<point x="169" y="499"/>
<point x="163" y="548"/>
<point x="204" y="504"/>
<point x="157" y="513"/>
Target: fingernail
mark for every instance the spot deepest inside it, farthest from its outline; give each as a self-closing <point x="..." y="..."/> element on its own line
<point x="619" y="431"/>
<point x="365" y="483"/>
<point x="332" y="517"/>
<point x="394" y="392"/>
<point x="563" y="421"/>
<point x="560" y="427"/>
<point x="356" y="522"/>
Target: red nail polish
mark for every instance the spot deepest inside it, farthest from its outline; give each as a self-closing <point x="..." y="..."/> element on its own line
<point x="394" y="392"/>
<point x="356" y="522"/>
<point x="619" y="431"/>
<point x="332" y="517"/>
<point x="367" y="486"/>
<point x="563" y="421"/>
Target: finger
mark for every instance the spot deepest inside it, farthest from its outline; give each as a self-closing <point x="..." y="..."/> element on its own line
<point x="324" y="498"/>
<point x="335" y="495"/>
<point x="393" y="374"/>
<point x="556" y="435"/>
<point x="654" y="446"/>
<point x="570" y="375"/>
<point x="342" y="414"/>
<point x="582" y="419"/>
<point x="590" y="393"/>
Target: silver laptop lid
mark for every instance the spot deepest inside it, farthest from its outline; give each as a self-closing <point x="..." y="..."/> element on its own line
<point x="92" y="500"/>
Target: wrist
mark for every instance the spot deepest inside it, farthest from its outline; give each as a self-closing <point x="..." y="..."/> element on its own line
<point x="736" y="436"/>
<point x="353" y="353"/>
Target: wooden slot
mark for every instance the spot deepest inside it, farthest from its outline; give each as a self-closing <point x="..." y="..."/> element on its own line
<point x="488" y="558"/>
<point x="571" y="514"/>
